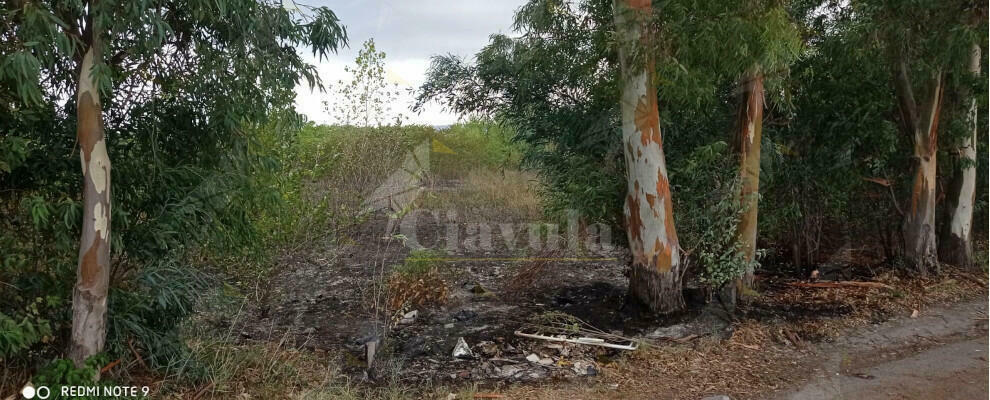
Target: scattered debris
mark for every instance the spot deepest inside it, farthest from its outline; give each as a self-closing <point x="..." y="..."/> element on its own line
<point x="971" y="277"/>
<point x="533" y="358"/>
<point x="861" y="375"/>
<point x="109" y="366"/>
<point x="487" y="396"/>
<point x="479" y="290"/>
<point x="914" y="314"/>
<point x="487" y="348"/>
<point x="408" y="318"/>
<point x="842" y="284"/>
<point x="794" y="338"/>
<point x="717" y="397"/>
<point x="673" y="332"/>
<point x="370" y="349"/>
<point x="465" y="315"/>
<point x="584" y="368"/>
<point x="462" y="350"/>
<point x="629" y="345"/>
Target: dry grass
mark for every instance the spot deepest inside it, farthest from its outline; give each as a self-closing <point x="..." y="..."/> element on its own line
<point x="531" y="274"/>
<point x="347" y="165"/>
<point x="486" y="195"/>
<point x="271" y="371"/>
<point x="859" y="306"/>
<point x="411" y="291"/>
<point x="762" y="356"/>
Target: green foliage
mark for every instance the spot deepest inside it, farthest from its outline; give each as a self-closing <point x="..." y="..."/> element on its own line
<point x="477" y="143"/>
<point x="63" y="372"/>
<point x="196" y="99"/>
<point x="838" y="133"/>
<point x="13" y="152"/>
<point x="367" y="99"/>
<point x="30" y="328"/>
<point x="703" y="44"/>
<point x="420" y="263"/>
<point x="556" y="86"/>
<point x="556" y="83"/>
<point x="709" y="211"/>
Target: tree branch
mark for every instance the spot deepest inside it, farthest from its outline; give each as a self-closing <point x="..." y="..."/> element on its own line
<point x="905" y="98"/>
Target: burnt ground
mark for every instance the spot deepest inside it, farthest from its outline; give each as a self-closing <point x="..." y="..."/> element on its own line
<point x="335" y="300"/>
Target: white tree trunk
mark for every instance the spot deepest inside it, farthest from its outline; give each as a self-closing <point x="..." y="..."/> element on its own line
<point x="956" y="246"/>
<point x="655" y="277"/>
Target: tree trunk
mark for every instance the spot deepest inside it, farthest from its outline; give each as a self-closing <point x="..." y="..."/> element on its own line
<point x="748" y="141"/>
<point x="89" y="297"/>
<point x="922" y="123"/>
<point x="655" y="278"/>
<point x="956" y="243"/>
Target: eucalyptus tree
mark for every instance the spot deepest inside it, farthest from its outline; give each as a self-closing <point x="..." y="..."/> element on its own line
<point x="590" y="117"/>
<point x="925" y="41"/>
<point x="655" y="277"/>
<point x="581" y="80"/>
<point x="956" y="239"/>
<point x="770" y="43"/>
<point x="204" y="69"/>
<point x="750" y="44"/>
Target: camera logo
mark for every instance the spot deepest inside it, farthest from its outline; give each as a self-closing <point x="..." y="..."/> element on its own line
<point x="30" y="392"/>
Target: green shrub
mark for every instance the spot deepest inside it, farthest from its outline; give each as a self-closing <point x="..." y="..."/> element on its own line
<point x="708" y="210"/>
<point x="420" y="262"/>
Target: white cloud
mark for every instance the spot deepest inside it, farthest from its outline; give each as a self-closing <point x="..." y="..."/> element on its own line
<point x="409" y="32"/>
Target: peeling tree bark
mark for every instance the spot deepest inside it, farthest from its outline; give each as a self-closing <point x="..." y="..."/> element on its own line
<point x="921" y="123"/>
<point x="89" y="297"/>
<point x="956" y="242"/>
<point x="748" y="142"/>
<point x="655" y="278"/>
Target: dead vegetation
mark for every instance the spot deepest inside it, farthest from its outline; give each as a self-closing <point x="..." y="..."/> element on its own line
<point x="531" y="273"/>
<point x="765" y="352"/>
<point x="489" y="195"/>
<point x="768" y="346"/>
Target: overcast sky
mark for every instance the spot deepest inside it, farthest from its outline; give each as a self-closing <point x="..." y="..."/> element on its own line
<point x="409" y="32"/>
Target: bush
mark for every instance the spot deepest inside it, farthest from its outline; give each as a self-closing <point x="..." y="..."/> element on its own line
<point x="708" y="210"/>
<point x="177" y="211"/>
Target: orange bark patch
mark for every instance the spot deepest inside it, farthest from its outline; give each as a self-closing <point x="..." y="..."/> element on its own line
<point x="668" y="222"/>
<point x="634" y="223"/>
<point x="647" y="120"/>
<point x="662" y="257"/>
<point x="88" y="128"/>
<point x="919" y="186"/>
<point x="663" y="190"/>
<point x="640" y="4"/>
<point x="90" y="267"/>
<point x="663" y="187"/>
<point x="933" y="130"/>
<point x="652" y="199"/>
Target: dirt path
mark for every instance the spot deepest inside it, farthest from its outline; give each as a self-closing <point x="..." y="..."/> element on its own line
<point x="942" y="354"/>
